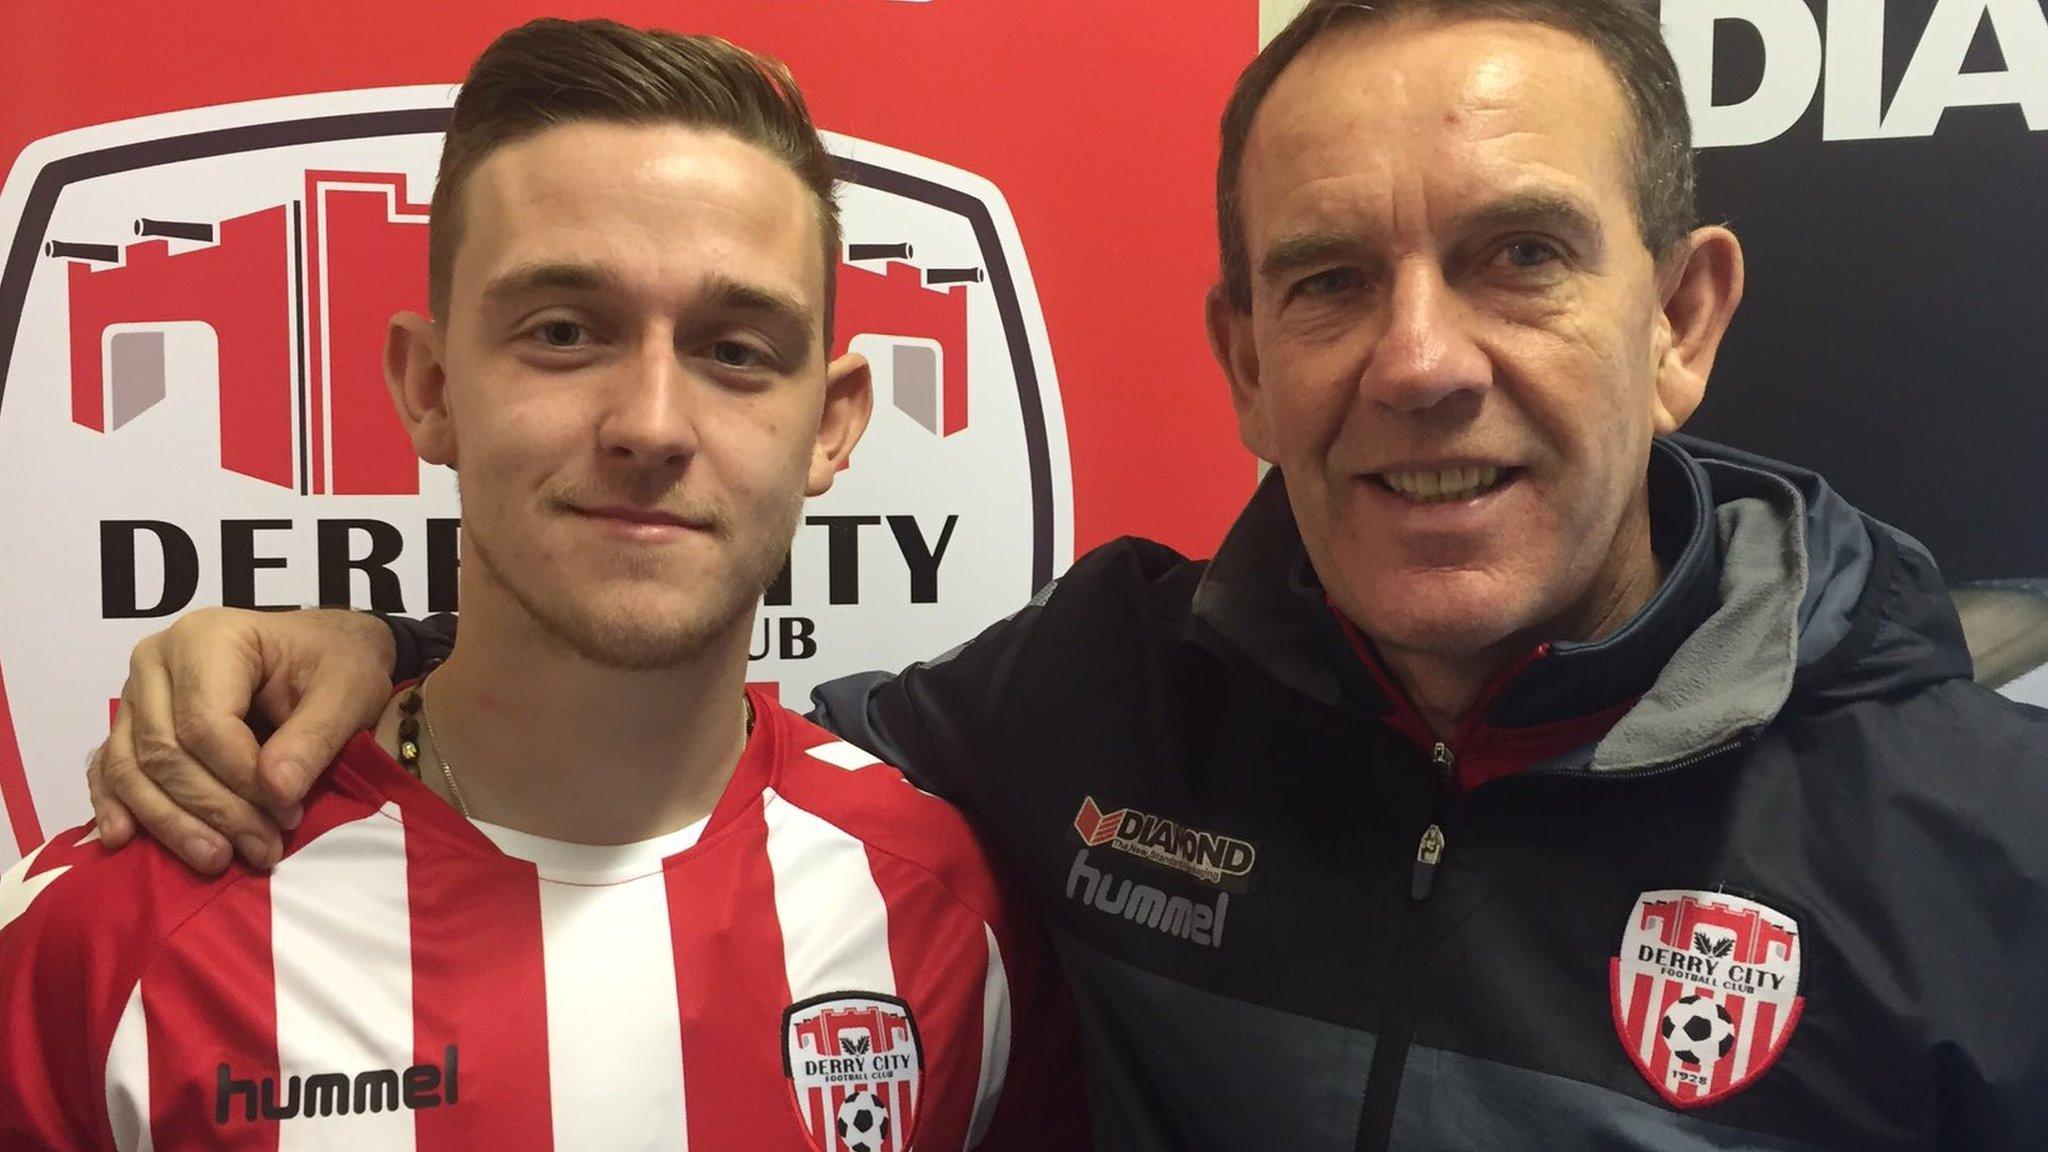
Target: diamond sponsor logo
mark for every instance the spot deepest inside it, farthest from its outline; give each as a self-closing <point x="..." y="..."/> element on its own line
<point x="1209" y="856"/>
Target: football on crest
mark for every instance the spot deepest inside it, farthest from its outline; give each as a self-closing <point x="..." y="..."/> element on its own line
<point x="863" y="1122"/>
<point x="1697" y="1030"/>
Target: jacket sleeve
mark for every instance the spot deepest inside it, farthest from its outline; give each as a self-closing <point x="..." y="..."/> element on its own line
<point x="421" y="643"/>
<point x="62" y="990"/>
<point x="936" y="720"/>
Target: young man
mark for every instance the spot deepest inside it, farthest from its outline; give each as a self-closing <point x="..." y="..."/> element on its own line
<point x="579" y="888"/>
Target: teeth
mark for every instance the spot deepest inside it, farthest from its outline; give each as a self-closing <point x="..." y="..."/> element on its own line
<point x="1444" y="484"/>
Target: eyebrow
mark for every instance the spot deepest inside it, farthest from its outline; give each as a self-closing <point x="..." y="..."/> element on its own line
<point x="777" y="306"/>
<point x="720" y="290"/>
<point x="530" y="278"/>
<point x="1553" y="211"/>
<point x="1305" y="251"/>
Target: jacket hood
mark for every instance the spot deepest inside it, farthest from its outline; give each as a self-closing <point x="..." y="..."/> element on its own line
<point x="1874" y="617"/>
<point x="1775" y="588"/>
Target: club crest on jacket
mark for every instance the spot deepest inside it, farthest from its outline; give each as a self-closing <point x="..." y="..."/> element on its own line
<point x="1705" y="992"/>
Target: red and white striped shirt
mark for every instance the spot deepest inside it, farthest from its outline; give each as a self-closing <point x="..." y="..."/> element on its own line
<point x="822" y="965"/>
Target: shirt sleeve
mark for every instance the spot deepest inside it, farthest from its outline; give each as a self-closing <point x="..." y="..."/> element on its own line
<point x="62" y="992"/>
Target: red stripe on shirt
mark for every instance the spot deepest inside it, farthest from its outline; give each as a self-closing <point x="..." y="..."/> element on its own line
<point x="211" y="1001"/>
<point x="1040" y="1103"/>
<point x="731" y="988"/>
<point x="477" y="986"/>
<point x="934" y="946"/>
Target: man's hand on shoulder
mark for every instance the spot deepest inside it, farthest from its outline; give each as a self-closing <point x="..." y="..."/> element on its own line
<point x="182" y="760"/>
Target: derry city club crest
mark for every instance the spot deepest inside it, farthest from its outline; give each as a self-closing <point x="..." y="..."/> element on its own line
<point x="1705" y="992"/>
<point x="856" y="1070"/>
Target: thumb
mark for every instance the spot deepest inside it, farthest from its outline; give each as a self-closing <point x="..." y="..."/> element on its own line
<point x="308" y="741"/>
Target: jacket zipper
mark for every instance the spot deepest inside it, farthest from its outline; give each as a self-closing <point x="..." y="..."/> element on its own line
<point x="1430" y="852"/>
<point x="1397" y="1022"/>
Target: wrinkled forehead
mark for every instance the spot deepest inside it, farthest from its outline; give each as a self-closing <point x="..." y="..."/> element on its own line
<point x="1453" y="111"/>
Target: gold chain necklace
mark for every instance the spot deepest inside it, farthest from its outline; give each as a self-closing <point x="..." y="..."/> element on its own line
<point x="412" y="712"/>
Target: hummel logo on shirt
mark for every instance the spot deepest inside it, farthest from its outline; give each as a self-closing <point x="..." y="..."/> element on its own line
<point x="338" y="1093"/>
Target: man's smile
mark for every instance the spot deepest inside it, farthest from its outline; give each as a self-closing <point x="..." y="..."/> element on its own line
<point x="1445" y="484"/>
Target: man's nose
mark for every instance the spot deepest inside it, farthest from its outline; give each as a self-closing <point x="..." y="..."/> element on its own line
<point x="650" y="411"/>
<point x="1425" y="353"/>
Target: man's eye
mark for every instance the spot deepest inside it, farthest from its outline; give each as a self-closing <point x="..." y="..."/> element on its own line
<point x="1330" y="282"/>
<point x="561" y="334"/>
<point x="737" y="354"/>
<point x="1529" y="253"/>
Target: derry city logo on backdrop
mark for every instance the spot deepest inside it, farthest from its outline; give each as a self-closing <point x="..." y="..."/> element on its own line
<point x="192" y="317"/>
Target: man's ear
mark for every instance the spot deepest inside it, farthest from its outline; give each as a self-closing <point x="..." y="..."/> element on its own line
<point x="1701" y="285"/>
<point x="416" y="374"/>
<point x="849" y="402"/>
<point x="1230" y="339"/>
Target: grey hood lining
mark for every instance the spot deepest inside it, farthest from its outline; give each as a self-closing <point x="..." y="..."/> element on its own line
<point x="1734" y="673"/>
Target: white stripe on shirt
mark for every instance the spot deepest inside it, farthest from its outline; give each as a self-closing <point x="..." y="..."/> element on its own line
<point x="128" y="1079"/>
<point x="835" y="926"/>
<point x="341" y="943"/>
<point x="615" y="1039"/>
<point x="995" y="1042"/>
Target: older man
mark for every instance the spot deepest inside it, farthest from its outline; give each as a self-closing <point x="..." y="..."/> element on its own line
<point x="1517" y="775"/>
